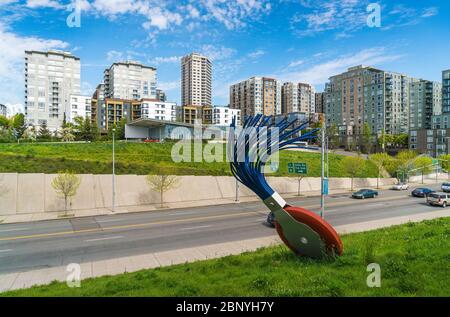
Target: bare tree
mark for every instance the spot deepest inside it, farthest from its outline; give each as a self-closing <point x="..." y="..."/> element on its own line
<point x="162" y="182"/>
<point x="66" y="186"/>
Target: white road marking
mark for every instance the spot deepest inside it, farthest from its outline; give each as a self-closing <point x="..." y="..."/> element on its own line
<point x="101" y="239"/>
<point x="8" y="250"/>
<point x="110" y="220"/>
<point x="16" y="229"/>
<point x="198" y="227"/>
<point x="180" y="213"/>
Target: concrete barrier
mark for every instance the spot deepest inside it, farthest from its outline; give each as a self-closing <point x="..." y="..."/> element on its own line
<point x="33" y="193"/>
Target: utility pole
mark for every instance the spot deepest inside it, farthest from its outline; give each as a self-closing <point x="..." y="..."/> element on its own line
<point x="237" y="191"/>
<point x="113" y="171"/>
<point x="322" y="182"/>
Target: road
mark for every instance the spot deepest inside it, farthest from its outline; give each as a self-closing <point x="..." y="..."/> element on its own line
<point x="36" y="245"/>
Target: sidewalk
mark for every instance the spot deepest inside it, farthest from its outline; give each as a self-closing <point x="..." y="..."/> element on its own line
<point x="8" y="219"/>
<point x="27" y="279"/>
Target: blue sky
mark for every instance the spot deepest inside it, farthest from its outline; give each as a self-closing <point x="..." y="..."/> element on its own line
<point x="292" y="40"/>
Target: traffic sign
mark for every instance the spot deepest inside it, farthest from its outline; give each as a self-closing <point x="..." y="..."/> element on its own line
<point x="297" y="168"/>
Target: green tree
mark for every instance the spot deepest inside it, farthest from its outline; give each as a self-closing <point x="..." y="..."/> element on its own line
<point x="66" y="186"/>
<point x="4" y="122"/>
<point x="162" y="182"/>
<point x="83" y="129"/>
<point x="405" y="163"/>
<point x="352" y="165"/>
<point x="67" y="134"/>
<point x="367" y="138"/>
<point x="382" y="140"/>
<point x="380" y="160"/>
<point x="333" y="135"/>
<point x="19" y="125"/>
<point x="401" y="140"/>
<point x="424" y="163"/>
<point x="44" y="133"/>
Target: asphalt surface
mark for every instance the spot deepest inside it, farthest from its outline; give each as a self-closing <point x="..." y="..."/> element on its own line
<point x="35" y="245"/>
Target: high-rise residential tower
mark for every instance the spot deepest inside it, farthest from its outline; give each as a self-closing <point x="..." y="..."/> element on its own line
<point x="257" y="95"/>
<point x="298" y="98"/>
<point x="425" y="100"/>
<point x="368" y="95"/>
<point x="130" y="80"/>
<point x="320" y="100"/>
<point x="50" y="79"/>
<point x="196" y="74"/>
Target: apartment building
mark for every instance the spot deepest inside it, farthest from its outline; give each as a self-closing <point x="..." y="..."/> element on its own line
<point x="161" y="95"/>
<point x="257" y="95"/>
<point x="80" y="106"/>
<point x="50" y="79"/>
<point x="368" y="95"/>
<point x="425" y="100"/>
<point x="298" y="98"/>
<point x="319" y="101"/>
<point x="196" y="79"/>
<point x="98" y="108"/>
<point x="193" y="114"/>
<point x="130" y="80"/>
<point x="435" y="140"/>
<point x="223" y="116"/>
<point x="155" y="109"/>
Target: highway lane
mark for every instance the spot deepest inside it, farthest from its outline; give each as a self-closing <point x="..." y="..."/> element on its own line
<point x="27" y="246"/>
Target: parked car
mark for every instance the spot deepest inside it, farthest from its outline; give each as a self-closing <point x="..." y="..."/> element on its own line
<point x="421" y="192"/>
<point x="439" y="199"/>
<point x="365" y="193"/>
<point x="271" y="219"/>
<point x="445" y="187"/>
<point x="400" y="186"/>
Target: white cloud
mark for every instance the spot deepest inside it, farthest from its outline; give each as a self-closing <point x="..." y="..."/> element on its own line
<point x="114" y="56"/>
<point x="12" y="48"/>
<point x="44" y="4"/>
<point x="114" y="7"/>
<point x="216" y="53"/>
<point x="319" y="73"/>
<point x="164" y="59"/>
<point x="256" y="54"/>
<point x="296" y="63"/>
<point x="429" y="12"/>
<point x="169" y="85"/>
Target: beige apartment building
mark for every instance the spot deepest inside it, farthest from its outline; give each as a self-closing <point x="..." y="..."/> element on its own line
<point x="50" y="79"/>
<point x="257" y="95"/>
<point x="196" y="74"/>
<point x="298" y="98"/>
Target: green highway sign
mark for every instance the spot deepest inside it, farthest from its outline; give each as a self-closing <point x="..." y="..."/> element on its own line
<point x="297" y="168"/>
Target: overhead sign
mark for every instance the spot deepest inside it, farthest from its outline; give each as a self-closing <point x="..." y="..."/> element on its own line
<point x="297" y="168"/>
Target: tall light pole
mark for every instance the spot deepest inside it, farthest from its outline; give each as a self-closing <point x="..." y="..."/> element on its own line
<point x="322" y="178"/>
<point x="113" y="171"/>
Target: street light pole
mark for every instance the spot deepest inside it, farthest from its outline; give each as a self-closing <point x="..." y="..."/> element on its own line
<point x="322" y="197"/>
<point x="113" y="171"/>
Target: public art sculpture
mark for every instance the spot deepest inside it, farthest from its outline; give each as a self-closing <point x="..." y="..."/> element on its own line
<point x="303" y="231"/>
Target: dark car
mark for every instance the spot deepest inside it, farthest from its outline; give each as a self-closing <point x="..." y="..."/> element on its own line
<point x="365" y="193"/>
<point x="421" y="192"/>
<point x="271" y="219"/>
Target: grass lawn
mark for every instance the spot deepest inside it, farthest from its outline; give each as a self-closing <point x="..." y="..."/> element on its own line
<point x="138" y="158"/>
<point x="414" y="260"/>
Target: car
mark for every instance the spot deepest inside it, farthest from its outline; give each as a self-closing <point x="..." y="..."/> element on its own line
<point x="365" y="193"/>
<point x="421" y="192"/>
<point x="445" y="187"/>
<point x="271" y="219"/>
<point x="400" y="186"/>
<point x="439" y="199"/>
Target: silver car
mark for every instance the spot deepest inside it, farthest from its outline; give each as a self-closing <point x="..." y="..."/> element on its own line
<point x="439" y="199"/>
<point x="400" y="186"/>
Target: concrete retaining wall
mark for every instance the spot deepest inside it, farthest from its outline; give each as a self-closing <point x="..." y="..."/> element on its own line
<point x="33" y="193"/>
